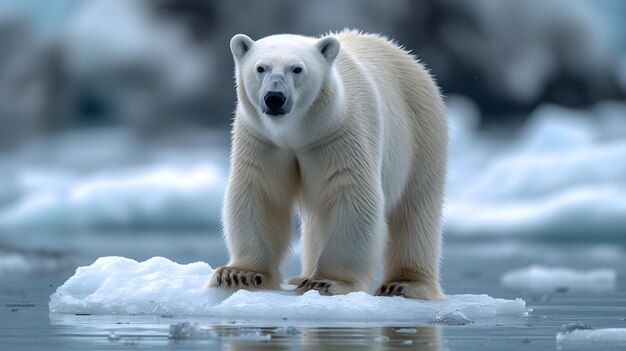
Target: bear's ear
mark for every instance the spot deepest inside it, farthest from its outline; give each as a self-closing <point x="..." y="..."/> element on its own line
<point x="329" y="48"/>
<point x="240" y="44"/>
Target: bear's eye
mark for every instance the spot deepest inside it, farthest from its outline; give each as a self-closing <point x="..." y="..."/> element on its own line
<point x="297" y="70"/>
<point x="260" y="69"/>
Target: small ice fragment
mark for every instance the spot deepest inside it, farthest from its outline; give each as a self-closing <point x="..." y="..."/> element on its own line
<point x="570" y="327"/>
<point x="113" y="337"/>
<point x="286" y="331"/>
<point x="406" y="331"/>
<point x="607" y="337"/>
<point x="407" y="342"/>
<point x="381" y="338"/>
<point x="132" y="342"/>
<point x="188" y="330"/>
<point x="449" y="318"/>
<point x="249" y="334"/>
<point x="540" y="278"/>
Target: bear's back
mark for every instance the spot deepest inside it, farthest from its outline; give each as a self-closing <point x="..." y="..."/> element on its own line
<point x="411" y="107"/>
<point x="396" y="73"/>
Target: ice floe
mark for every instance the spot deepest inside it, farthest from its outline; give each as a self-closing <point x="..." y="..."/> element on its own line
<point x="112" y="179"/>
<point x="164" y="196"/>
<point x="562" y="176"/>
<point x="16" y="262"/>
<point x="592" y="337"/>
<point x="158" y="286"/>
<point x="541" y="278"/>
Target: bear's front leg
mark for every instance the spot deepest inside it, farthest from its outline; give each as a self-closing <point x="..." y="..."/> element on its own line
<point x="350" y="213"/>
<point x="257" y="214"/>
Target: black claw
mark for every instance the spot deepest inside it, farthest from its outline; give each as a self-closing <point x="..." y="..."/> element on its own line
<point x="401" y="289"/>
<point x="244" y="280"/>
<point x="305" y="282"/>
<point x="327" y="287"/>
<point x="383" y="289"/>
<point x="391" y="288"/>
<point x="219" y="279"/>
<point x="227" y="279"/>
<point x="312" y="284"/>
<point x="320" y="285"/>
<point x="236" y="279"/>
<point x="257" y="280"/>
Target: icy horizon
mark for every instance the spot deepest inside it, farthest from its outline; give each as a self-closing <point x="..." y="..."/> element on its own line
<point x="561" y="177"/>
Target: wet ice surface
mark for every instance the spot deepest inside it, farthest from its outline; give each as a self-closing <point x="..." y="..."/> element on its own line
<point x="541" y="278"/>
<point x="158" y="286"/>
<point x="476" y="268"/>
<point x="593" y="337"/>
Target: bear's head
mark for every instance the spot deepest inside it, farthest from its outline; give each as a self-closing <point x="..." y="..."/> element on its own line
<point x="282" y="75"/>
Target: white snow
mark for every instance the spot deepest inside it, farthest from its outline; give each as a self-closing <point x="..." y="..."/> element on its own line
<point x="112" y="179"/>
<point x="450" y="318"/>
<point x="406" y="331"/>
<point x="541" y="278"/>
<point x="595" y="337"/>
<point x="160" y="196"/>
<point x="158" y="286"/>
<point x="562" y="177"/>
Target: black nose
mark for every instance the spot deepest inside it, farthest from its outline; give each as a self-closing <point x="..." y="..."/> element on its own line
<point x="274" y="100"/>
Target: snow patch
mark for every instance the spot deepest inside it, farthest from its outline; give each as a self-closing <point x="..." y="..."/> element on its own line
<point x="562" y="177"/>
<point x="605" y="337"/>
<point x="112" y="179"/>
<point x="450" y="318"/>
<point x="158" y="286"/>
<point x="406" y="331"/>
<point x="161" y="196"/>
<point x="540" y="278"/>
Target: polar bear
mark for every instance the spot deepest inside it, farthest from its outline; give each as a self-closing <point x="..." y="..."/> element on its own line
<point x="351" y="129"/>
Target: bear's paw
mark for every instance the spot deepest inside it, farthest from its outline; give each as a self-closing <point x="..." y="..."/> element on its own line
<point x="327" y="286"/>
<point x="235" y="278"/>
<point x="411" y="289"/>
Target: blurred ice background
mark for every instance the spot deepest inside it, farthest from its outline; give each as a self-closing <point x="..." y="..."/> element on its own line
<point x="114" y="114"/>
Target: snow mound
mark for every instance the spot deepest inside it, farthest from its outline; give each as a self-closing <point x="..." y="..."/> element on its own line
<point x="158" y="286"/>
<point x="562" y="176"/>
<point x="540" y="278"/>
<point x="110" y="178"/>
<point x="605" y="337"/>
<point x="162" y="196"/>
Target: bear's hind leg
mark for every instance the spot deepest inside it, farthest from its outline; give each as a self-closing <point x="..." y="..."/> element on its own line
<point x="412" y="257"/>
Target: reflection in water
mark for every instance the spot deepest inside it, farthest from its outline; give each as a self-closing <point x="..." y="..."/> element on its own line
<point x="235" y="336"/>
<point x="423" y="338"/>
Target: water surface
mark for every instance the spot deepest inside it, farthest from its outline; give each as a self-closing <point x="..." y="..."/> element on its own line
<point x="468" y="267"/>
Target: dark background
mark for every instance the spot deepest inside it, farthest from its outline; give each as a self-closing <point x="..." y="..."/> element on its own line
<point x="152" y="65"/>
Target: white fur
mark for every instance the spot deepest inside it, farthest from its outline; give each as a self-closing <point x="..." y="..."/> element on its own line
<point x="362" y="152"/>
